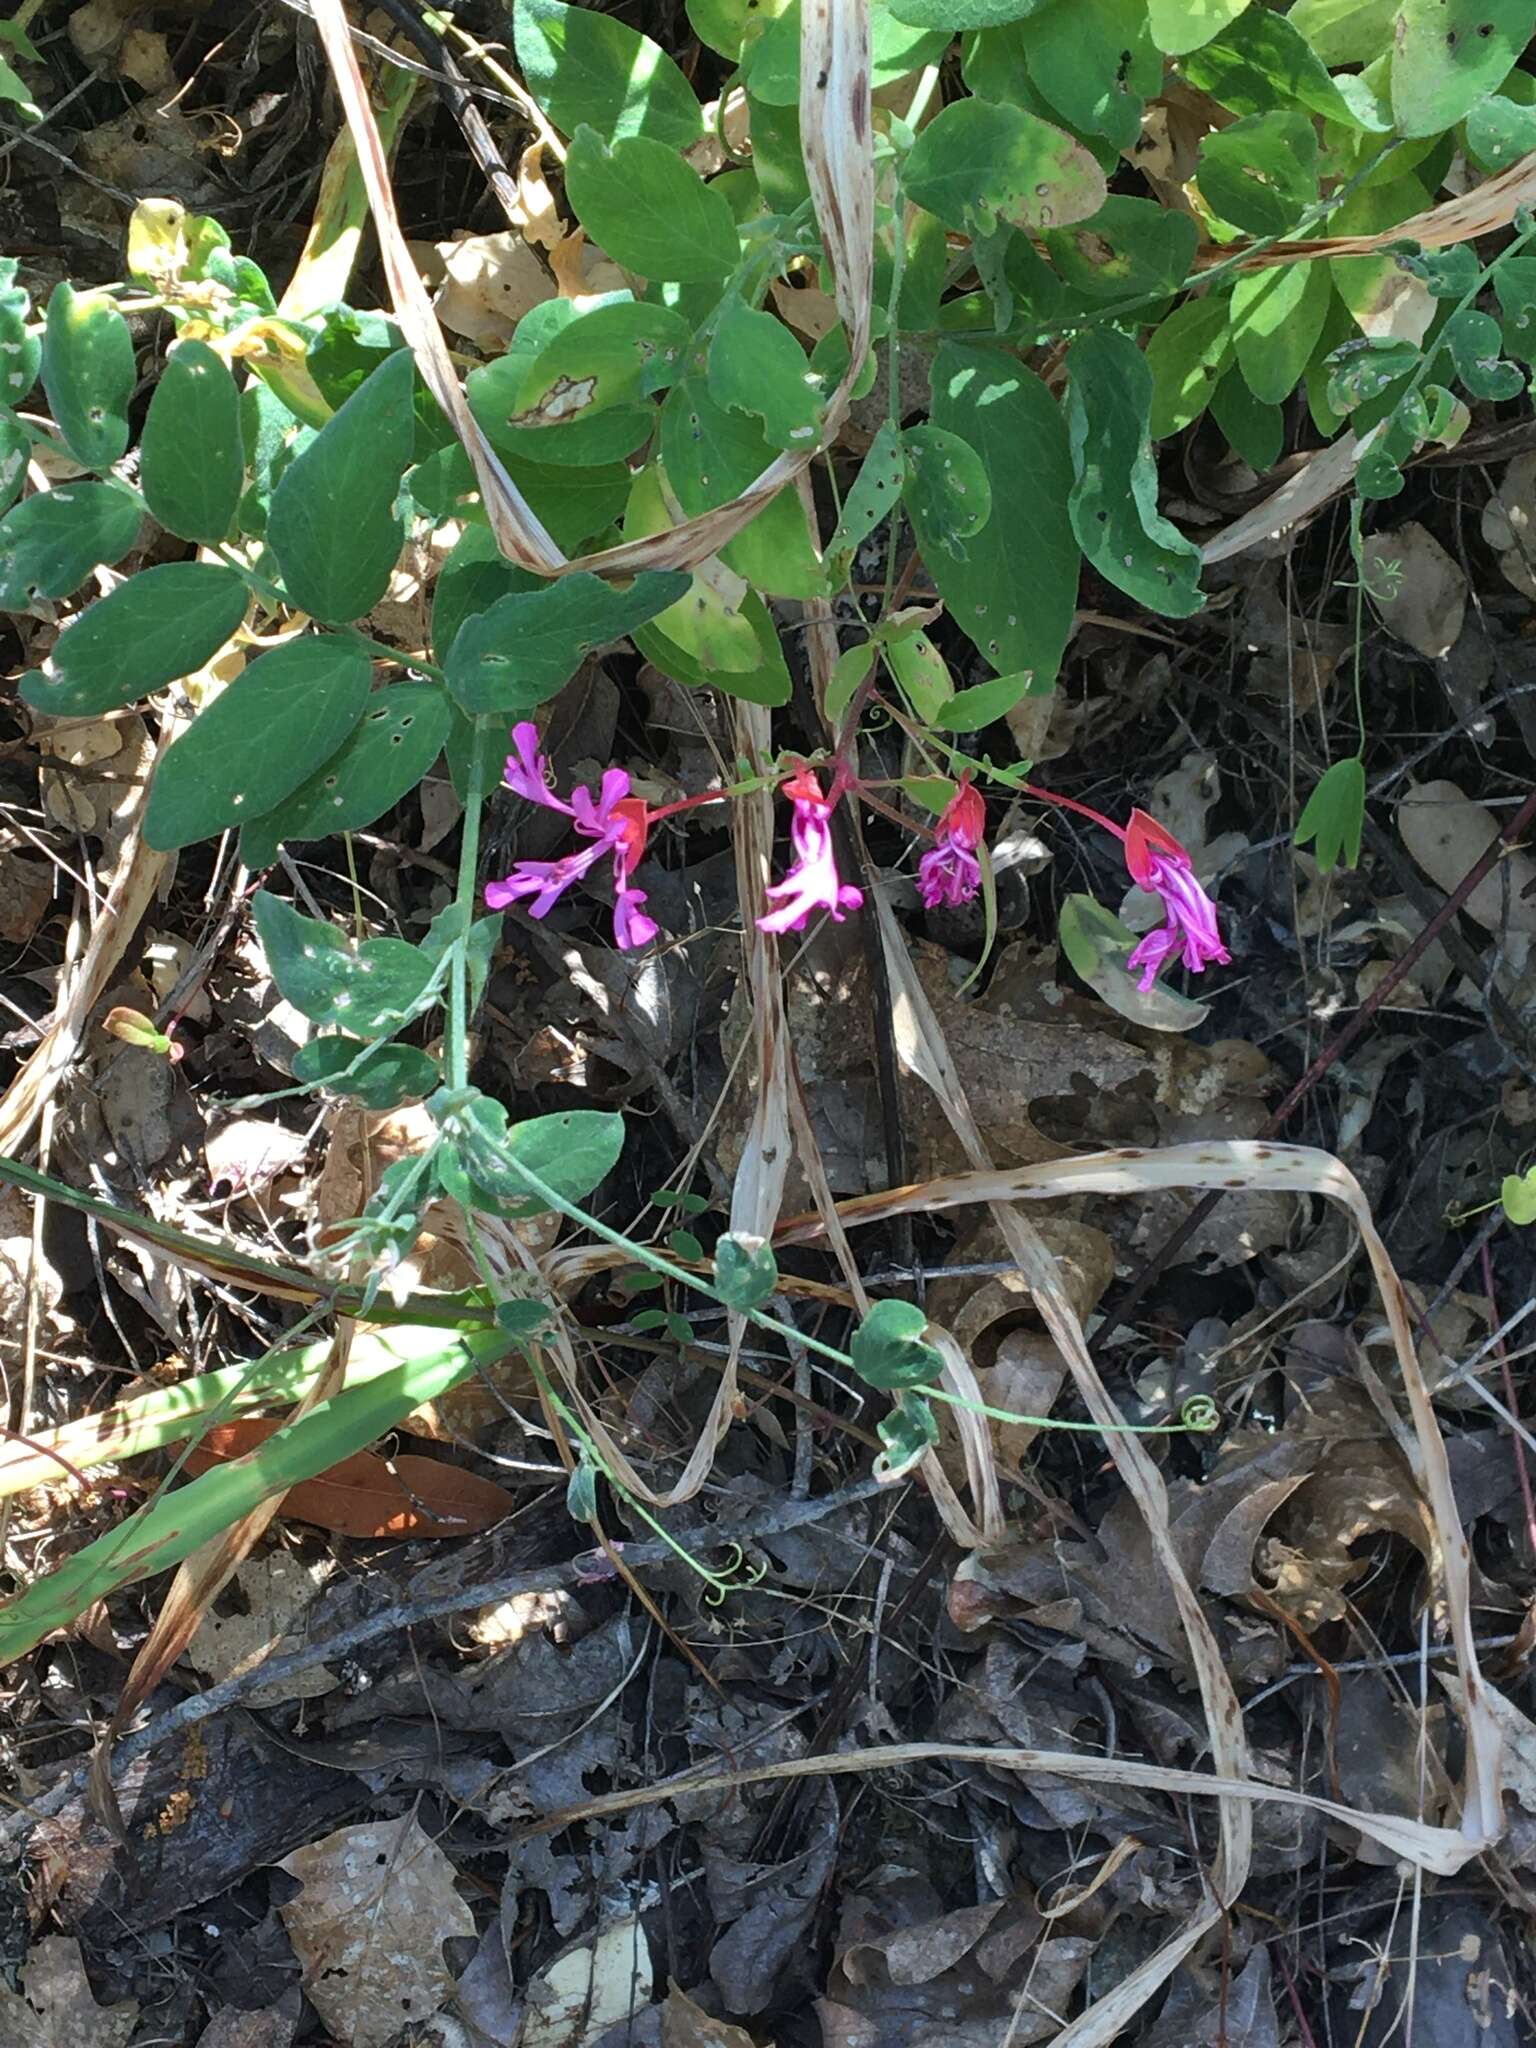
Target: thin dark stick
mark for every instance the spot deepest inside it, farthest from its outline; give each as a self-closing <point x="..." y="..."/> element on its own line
<point x="1125" y="1308"/>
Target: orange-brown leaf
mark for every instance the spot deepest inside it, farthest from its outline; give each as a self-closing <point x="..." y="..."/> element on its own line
<point x="366" y="1495"/>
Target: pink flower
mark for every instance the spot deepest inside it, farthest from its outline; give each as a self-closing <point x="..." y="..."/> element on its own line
<point x="950" y="873"/>
<point x="813" y="882"/>
<point x="615" y="822"/>
<point x="1159" y="864"/>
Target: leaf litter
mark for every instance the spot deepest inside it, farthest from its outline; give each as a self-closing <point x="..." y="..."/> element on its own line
<point x="1012" y="1692"/>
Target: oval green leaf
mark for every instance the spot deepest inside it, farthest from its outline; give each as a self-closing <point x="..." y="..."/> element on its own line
<point x="371" y="989"/>
<point x="192" y="454"/>
<point x="50" y="543"/>
<point x="378" y="1076"/>
<point x="1098" y="946"/>
<point x="157" y="627"/>
<point x="258" y="739"/>
<point x="89" y="374"/>
<point x="978" y="162"/>
<point x="399" y="736"/>
<point x="582" y="65"/>
<point x="332" y="525"/>
<point x="649" y="210"/>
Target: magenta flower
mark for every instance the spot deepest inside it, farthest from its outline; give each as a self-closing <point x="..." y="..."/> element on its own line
<point x="614" y="821"/>
<point x="1159" y="864"/>
<point x="949" y="873"/>
<point x="813" y="883"/>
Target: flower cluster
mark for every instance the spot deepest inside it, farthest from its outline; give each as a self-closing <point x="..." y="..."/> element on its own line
<point x="615" y="823"/>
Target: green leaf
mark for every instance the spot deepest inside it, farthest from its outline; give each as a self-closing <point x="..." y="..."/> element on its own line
<point x="52" y="541"/>
<point x="522" y="1319"/>
<point x="982" y="704"/>
<point x="21" y="353"/>
<point x="1113" y="502"/>
<point x="15" y="451"/>
<point x="921" y="674"/>
<point x="1260" y="174"/>
<point x="172" y="1525"/>
<point x="849" y="672"/>
<point x="769" y="683"/>
<point x="684" y="1245"/>
<point x="958" y="15"/>
<point x="1095" y="62"/>
<point x="872" y="496"/>
<point x="581" y="1491"/>
<point x="371" y="989"/>
<point x="1131" y="249"/>
<point x="1515" y="284"/>
<point x="1015" y="591"/>
<point x="1362" y="370"/>
<point x="948" y="491"/>
<point x="400" y="735"/>
<point x="1256" y="431"/>
<point x="650" y="211"/>
<point x="1262" y="60"/>
<point x="1182" y="25"/>
<point x="571" y="1151"/>
<point x="192" y="453"/>
<point x="332" y="526"/>
<point x="756" y="366"/>
<point x="510" y="658"/>
<point x="907" y="1435"/>
<point x="707" y="621"/>
<point x="775" y="553"/>
<point x="154" y="629"/>
<point x="1186" y="355"/>
<point x="889" y="1350"/>
<point x="475" y="574"/>
<point x="1448" y="53"/>
<point x="582" y="65"/>
<point x="1499" y="132"/>
<point x="1344" y="31"/>
<point x="979" y="161"/>
<point x="1518" y="1195"/>
<point x="1475" y="341"/>
<point x="258" y="740"/>
<point x="1277" y="317"/>
<point x="771" y="64"/>
<point x="379" y="1076"/>
<point x="709" y="454"/>
<point x="89" y="374"/>
<point x="1333" y="818"/>
<point x="1098" y="945"/>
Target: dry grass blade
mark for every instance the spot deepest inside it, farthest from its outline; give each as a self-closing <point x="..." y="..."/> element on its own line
<point x="837" y="145"/>
<point x="1442" y="1851"/>
<point x="921" y="1047"/>
<point x="199" y="1580"/>
<point x="1490" y="205"/>
<point x="1329" y="471"/>
<point x="1298" y="1169"/>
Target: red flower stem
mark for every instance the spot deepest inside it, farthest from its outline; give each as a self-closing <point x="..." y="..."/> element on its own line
<point x="1070" y="803"/>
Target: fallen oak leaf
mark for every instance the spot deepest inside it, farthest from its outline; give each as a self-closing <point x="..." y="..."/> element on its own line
<point x="366" y="1495"/>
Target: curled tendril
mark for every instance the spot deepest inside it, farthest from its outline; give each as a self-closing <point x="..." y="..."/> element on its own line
<point x="726" y="1580"/>
<point x="1200" y="1414"/>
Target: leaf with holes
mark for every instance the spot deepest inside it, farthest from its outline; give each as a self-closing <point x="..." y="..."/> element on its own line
<point x="907" y="1435"/>
<point x="52" y="541"/>
<point x="1130" y="249"/>
<point x="401" y="733"/>
<point x="258" y="739"/>
<point x="889" y="1348"/>
<point x="159" y="626"/>
<point x="1015" y="590"/>
<point x="192" y="455"/>
<point x="571" y="1152"/>
<point x="756" y="366"/>
<point x="650" y="211"/>
<point x="21" y="353"/>
<point x="15" y="450"/>
<point x="585" y="66"/>
<point x="948" y="490"/>
<point x="1363" y="370"/>
<point x="1260" y="174"/>
<point x="529" y="644"/>
<point x="1096" y="63"/>
<point x="978" y="162"/>
<point x="332" y="526"/>
<point x="922" y="674"/>
<point x="1448" y="53"/>
<point x="371" y="989"/>
<point x="1186" y="355"/>
<point x="1475" y="342"/>
<point x="872" y="496"/>
<point x="1500" y="132"/>
<point x="746" y="1272"/>
<point x="89" y="374"/>
<point x="1113" y="502"/>
<point x="378" y="1076"/>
